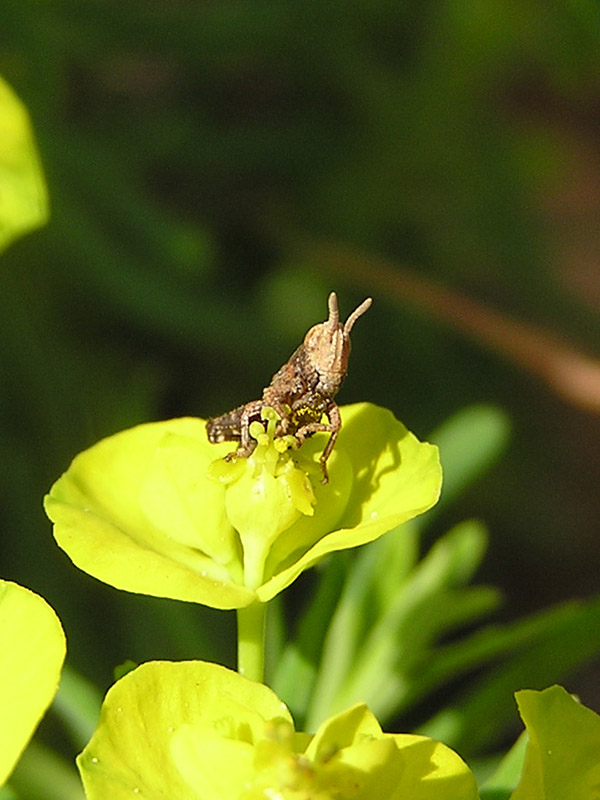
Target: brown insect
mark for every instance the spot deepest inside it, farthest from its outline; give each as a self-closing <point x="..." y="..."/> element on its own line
<point x="302" y="392"/>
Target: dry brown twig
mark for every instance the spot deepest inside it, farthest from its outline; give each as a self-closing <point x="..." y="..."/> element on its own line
<point x="571" y="374"/>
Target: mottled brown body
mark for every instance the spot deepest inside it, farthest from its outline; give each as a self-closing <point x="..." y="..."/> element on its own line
<point x="302" y="392"/>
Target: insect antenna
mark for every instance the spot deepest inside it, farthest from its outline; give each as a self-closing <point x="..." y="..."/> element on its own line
<point x="358" y="312"/>
<point x="334" y="314"/>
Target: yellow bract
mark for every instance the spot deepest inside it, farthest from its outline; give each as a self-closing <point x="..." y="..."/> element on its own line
<point x="23" y="199"/>
<point x="32" y="651"/>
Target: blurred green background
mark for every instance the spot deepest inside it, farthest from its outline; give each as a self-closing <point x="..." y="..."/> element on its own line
<point x="216" y="168"/>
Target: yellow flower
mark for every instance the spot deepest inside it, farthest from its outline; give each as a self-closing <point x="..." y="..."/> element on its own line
<point x="149" y="511"/>
<point x="197" y="731"/>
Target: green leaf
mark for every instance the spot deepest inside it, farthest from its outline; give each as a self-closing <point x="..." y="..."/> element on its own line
<point x="296" y="668"/>
<point x="77" y="704"/>
<point x="469" y="441"/>
<point x="23" y="199"/>
<point x="32" y="650"/>
<point x="42" y="774"/>
<point x="506" y="775"/>
<point x="562" y="761"/>
<point x="531" y="651"/>
<point x="372" y="575"/>
<point x="343" y="641"/>
<point x="375" y="651"/>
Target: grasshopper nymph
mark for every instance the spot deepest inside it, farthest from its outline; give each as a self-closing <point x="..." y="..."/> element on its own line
<point x="302" y="392"/>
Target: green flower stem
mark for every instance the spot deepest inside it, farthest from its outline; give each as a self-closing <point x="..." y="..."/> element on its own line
<point x="255" y="555"/>
<point x="251" y="641"/>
